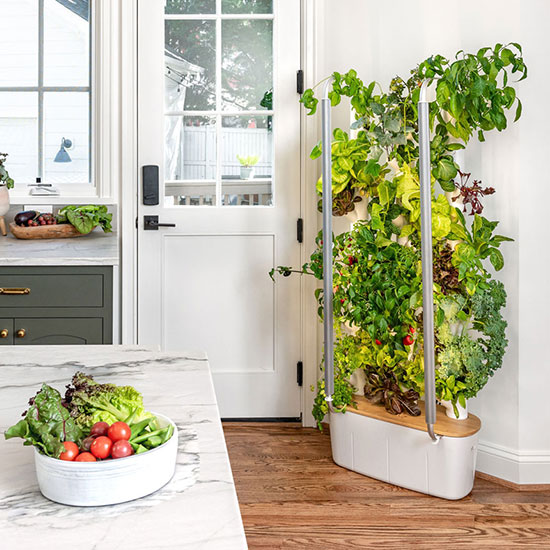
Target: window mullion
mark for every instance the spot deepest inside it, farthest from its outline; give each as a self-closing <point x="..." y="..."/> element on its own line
<point x="40" y="88"/>
<point x="219" y="127"/>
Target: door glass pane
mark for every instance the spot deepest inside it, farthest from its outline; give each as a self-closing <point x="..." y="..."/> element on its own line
<point x="247" y="6"/>
<point x="190" y="149"/>
<point x="19" y="134"/>
<point x="190" y="6"/>
<point x="67" y="137"/>
<point x="247" y="63"/>
<point x="66" y="43"/>
<point x="247" y="161"/>
<point x="18" y="43"/>
<point x="190" y="59"/>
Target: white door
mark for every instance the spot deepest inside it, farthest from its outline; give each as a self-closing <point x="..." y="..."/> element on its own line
<point x="217" y="89"/>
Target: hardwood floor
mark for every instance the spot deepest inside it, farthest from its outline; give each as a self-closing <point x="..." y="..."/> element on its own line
<point x="292" y="496"/>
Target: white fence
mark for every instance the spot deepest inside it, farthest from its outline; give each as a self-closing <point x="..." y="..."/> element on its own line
<point x="197" y="152"/>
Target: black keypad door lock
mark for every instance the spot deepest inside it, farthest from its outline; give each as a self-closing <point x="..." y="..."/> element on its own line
<point x="150" y="182"/>
<point x="151" y="223"/>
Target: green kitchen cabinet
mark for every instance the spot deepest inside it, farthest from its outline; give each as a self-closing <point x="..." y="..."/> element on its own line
<point x="6" y="332"/>
<point x="56" y="305"/>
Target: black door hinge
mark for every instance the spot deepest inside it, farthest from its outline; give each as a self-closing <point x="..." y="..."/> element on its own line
<point x="300" y="373"/>
<point x="300" y="230"/>
<point x="300" y="82"/>
<point x="136" y="222"/>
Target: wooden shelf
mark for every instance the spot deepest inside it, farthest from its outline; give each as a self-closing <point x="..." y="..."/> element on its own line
<point x="444" y="425"/>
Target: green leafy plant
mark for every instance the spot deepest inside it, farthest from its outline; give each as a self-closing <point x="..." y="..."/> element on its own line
<point x="377" y="293"/>
<point x="251" y="160"/>
<point x="472" y="96"/>
<point x="4" y="175"/>
<point x="47" y="423"/>
<point x="267" y="101"/>
<point x="89" y="402"/>
<point x="85" y="218"/>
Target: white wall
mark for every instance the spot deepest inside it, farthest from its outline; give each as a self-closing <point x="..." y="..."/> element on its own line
<point x="382" y="39"/>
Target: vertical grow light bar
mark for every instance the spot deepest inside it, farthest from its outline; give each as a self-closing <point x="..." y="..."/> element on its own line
<point x="328" y="322"/>
<point x="424" y="170"/>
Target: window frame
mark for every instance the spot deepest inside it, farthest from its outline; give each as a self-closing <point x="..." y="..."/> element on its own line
<point x="104" y="124"/>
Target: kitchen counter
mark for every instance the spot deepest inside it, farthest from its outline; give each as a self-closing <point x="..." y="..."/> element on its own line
<point x="97" y="248"/>
<point x="196" y="510"/>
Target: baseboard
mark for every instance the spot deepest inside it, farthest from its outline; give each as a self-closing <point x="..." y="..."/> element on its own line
<point x="517" y="467"/>
<point x="515" y="486"/>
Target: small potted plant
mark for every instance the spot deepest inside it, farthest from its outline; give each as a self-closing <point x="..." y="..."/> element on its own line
<point x="247" y="166"/>
<point x="5" y="183"/>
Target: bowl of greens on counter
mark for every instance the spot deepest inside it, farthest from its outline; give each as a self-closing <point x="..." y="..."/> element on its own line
<point x="97" y="444"/>
<point x="70" y="221"/>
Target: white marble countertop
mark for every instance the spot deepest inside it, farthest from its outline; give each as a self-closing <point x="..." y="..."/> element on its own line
<point x="197" y="510"/>
<point x="97" y="248"/>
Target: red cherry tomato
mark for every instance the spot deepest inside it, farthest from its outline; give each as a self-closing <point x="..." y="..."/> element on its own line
<point x="119" y="431"/>
<point x="412" y="330"/>
<point x="85" y="457"/>
<point x="101" y="447"/>
<point x="99" y="428"/>
<point x="71" y="451"/>
<point x="408" y="341"/>
<point x="378" y="343"/>
<point x="121" y="448"/>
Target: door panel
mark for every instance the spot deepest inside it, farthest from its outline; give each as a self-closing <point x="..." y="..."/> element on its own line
<point x="59" y="331"/>
<point x="219" y="114"/>
<point x="6" y="332"/>
<point x="222" y="302"/>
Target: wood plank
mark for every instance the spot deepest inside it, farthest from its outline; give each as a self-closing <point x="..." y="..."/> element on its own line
<point x="444" y="425"/>
<point x="293" y="496"/>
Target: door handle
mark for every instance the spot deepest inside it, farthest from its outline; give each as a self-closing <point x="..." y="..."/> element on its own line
<point x="151" y="223"/>
<point x="15" y="291"/>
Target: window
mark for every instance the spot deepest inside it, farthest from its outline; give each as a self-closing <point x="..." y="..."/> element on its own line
<point x="45" y="90"/>
<point x="219" y="102"/>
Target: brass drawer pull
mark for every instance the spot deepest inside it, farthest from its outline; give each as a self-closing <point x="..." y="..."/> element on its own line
<point x="21" y="333"/>
<point x="13" y="291"/>
<point x="4" y="333"/>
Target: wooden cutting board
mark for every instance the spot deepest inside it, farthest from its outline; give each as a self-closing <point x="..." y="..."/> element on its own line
<point x="58" y="231"/>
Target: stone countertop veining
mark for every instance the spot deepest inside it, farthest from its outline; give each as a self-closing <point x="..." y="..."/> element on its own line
<point x="197" y="510"/>
<point x="98" y="248"/>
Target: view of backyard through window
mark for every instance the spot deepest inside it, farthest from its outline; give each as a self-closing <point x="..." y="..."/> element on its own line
<point x="45" y="90"/>
<point x="219" y="102"/>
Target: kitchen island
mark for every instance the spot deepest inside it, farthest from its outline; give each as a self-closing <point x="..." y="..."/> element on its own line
<point x="196" y="510"/>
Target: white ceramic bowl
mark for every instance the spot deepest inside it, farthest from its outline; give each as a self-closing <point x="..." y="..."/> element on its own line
<point x="110" y="481"/>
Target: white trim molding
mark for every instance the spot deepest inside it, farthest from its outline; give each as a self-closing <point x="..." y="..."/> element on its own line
<point x="128" y="174"/>
<point x="519" y="467"/>
<point x="311" y="334"/>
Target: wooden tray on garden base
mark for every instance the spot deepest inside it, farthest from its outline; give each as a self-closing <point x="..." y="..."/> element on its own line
<point x="444" y="425"/>
<point x="58" y="231"/>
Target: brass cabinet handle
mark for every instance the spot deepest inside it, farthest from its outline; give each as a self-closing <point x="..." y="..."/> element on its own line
<point x="4" y="333"/>
<point x="21" y="333"/>
<point x="17" y="291"/>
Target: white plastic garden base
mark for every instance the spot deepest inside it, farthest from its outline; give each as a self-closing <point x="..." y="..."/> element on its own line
<point x="404" y="455"/>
